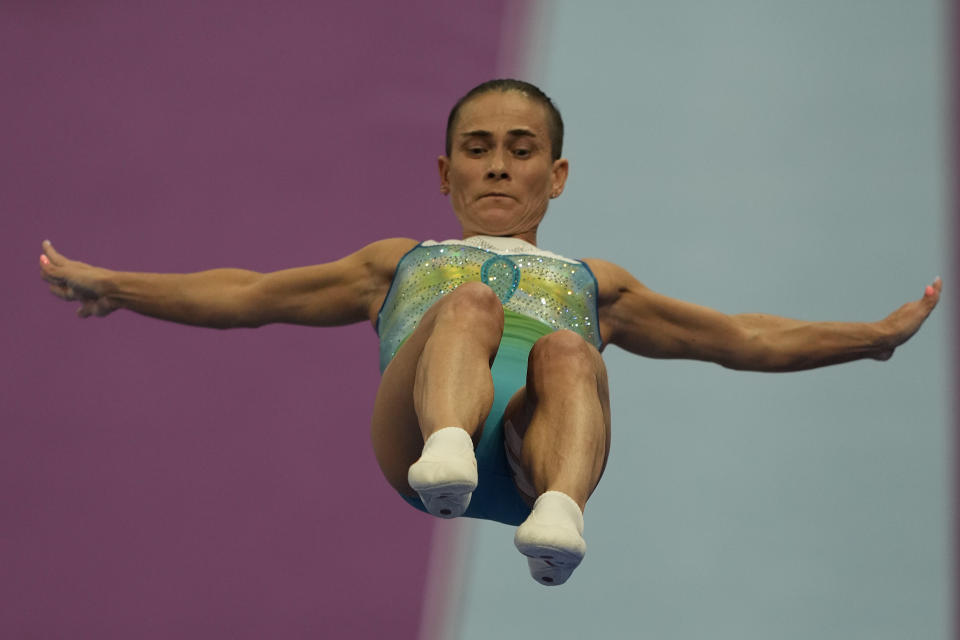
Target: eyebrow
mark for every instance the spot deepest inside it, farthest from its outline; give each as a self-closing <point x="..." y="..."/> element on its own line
<point x="517" y="133"/>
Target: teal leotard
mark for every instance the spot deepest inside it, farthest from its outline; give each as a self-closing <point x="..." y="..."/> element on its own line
<point x="541" y="292"/>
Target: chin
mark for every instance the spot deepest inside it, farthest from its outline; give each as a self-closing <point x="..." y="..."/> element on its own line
<point x="496" y="220"/>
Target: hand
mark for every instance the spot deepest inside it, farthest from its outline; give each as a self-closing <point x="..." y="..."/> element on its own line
<point x="905" y="321"/>
<point x="72" y="280"/>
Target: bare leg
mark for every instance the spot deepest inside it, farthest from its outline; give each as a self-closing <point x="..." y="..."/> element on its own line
<point x="453" y="385"/>
<point x="439" y="378"/>
<point x="563" y="417"/>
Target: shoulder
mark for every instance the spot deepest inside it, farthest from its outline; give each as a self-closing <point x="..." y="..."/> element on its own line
<point x="389" y="247"/>
<point x="620" y="296"/>
<point x="612" y="280"/>
<point x="382" y="256"/>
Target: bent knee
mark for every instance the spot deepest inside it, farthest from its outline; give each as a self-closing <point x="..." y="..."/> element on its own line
<point x="473" y="300"/>
<point x="567" y="350"/>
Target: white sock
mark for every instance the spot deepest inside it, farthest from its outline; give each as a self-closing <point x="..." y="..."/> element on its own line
<point x="552" y="538"/>
<point x="446" y="473"/>
<point x="559" y="508"/>
<point x="449" y="441"/>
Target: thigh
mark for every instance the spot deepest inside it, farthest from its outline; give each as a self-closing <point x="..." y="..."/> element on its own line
<point x="395" y="428"/>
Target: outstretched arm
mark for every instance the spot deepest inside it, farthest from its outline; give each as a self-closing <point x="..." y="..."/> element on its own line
<point x="335" y="293"/>
<point x="650" y="324"/>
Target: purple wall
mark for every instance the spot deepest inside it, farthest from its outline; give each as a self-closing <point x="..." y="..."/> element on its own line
<point x="161" y="481"/>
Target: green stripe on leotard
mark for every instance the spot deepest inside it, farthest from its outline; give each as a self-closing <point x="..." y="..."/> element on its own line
<point x="496" y="497"/>
<point x="540" y="294"/>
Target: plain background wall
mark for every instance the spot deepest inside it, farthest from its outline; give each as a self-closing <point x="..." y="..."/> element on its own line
<point x="781" y="157"/>
<point x="162" y="481"/>
<point x="159" y="481"/>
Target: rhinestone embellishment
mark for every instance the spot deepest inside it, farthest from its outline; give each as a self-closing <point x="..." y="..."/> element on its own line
<point x="502" y="275"/>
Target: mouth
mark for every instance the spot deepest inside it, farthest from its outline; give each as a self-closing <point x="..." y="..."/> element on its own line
<point x="495" y="194"/>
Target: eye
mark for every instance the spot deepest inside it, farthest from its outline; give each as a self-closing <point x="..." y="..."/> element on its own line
<point x="475" y="151"/>
<point x="521" y="152"/>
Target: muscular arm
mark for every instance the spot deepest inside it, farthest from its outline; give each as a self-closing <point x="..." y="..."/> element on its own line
<point x="335" y="293"/>
<point x="650" y="324"/>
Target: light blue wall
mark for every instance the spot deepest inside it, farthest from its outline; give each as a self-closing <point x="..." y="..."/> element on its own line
<point x="784" y="157"/>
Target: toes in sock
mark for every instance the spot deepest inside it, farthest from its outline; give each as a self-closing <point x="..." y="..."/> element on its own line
<point x="446" y="473"/>
<point x="552" y="538"/>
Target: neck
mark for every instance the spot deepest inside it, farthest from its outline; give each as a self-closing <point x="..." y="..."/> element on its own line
<point x="527" y="236"/>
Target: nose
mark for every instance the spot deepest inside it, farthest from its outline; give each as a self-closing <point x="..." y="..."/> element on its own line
<point x="498" y="167"/>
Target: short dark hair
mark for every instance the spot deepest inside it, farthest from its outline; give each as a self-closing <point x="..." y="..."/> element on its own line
<point x="554" y="121"/>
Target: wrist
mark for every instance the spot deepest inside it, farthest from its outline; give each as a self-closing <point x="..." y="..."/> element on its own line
<point x="109" y="284"/>
<point x="883" y="338"/>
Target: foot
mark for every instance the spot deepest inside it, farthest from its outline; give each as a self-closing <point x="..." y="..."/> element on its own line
<point x="446" y="473"/>
<point x="551" y="538"/>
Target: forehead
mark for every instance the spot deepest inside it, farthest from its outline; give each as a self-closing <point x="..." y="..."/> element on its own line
<point x="500" y="111"/>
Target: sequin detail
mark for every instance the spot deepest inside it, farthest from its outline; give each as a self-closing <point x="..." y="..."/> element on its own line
<point x="502" y="275"/>
<point x="558" y="293"/>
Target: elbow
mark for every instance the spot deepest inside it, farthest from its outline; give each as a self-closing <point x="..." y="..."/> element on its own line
<point x="222" y="320"/>
<point x="245" y="308"/>
<point x="222" y="324"/>
<point x="236" y="313"/>
<point x="245" y="320"/>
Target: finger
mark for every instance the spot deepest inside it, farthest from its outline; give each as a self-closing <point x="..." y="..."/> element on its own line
<point x="52" y="253"/>
<point x="102" y="308"/>
<point x="48" y="269"/>
<point x="931" y="294"/>
<point x="88" y="308"/>
<point x="60" y="291"/>
<point x="45" y="264"/>
<point x="47" y="275"/>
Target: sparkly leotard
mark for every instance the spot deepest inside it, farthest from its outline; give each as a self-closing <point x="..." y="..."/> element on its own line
<point x="541" y="292"/>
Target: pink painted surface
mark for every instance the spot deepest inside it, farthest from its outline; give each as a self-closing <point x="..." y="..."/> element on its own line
<point x="159" y="481"/>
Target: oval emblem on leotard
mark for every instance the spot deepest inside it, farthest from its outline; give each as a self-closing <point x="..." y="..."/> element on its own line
<point x="502" y="275"/>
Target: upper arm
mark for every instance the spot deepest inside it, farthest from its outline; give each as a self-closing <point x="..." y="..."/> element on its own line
<point x="345" y="291"/>
<point x="651" y="324"/>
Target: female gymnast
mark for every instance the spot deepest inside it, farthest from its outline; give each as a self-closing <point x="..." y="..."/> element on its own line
<point x="493" y="400"/>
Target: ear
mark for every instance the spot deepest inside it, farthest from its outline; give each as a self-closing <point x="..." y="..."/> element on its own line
<point x="561" y="168"/>
<point x="443" y="166"/>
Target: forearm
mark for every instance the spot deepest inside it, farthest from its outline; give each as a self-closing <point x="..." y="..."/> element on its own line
<point x="336" y="293"/>
<point x="650" y="324"/>
<point x="217" y="298"/>
<point x="772" y="343"/>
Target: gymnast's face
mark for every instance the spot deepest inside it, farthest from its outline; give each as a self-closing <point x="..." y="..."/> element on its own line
<point x="500" y="174"/>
